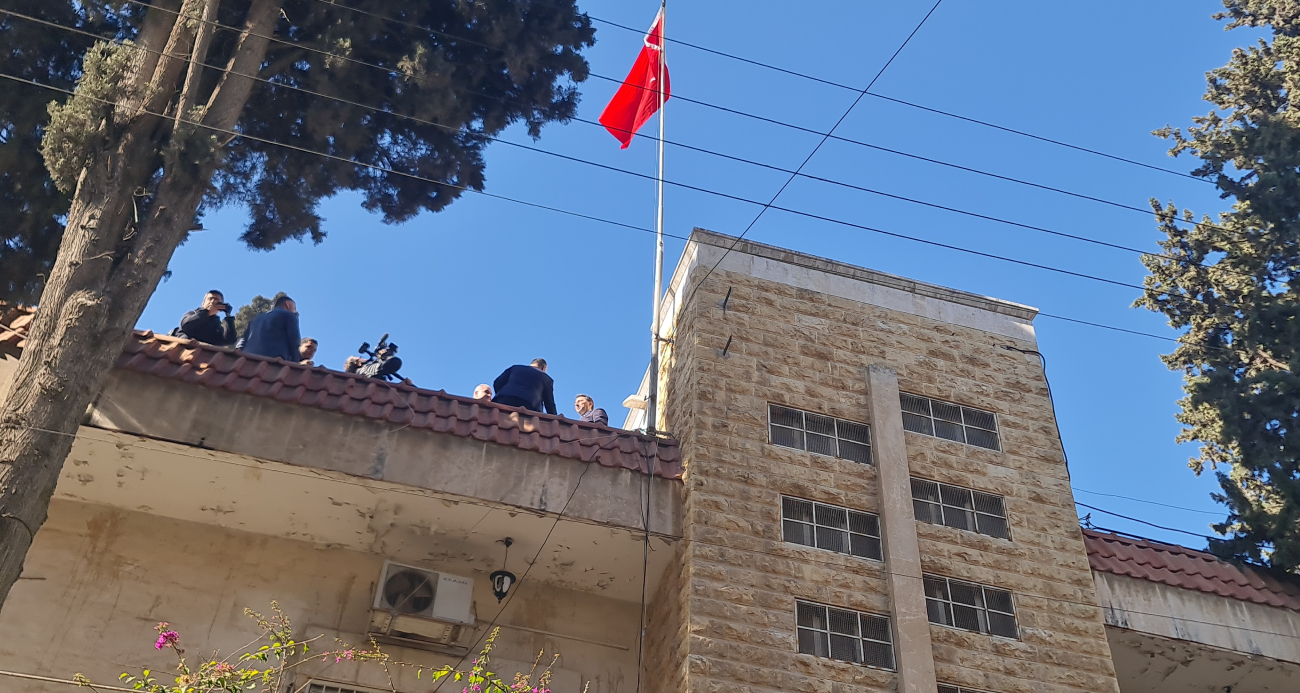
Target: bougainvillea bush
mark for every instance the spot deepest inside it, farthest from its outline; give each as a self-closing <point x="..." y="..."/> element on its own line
<point x="269" y="662"/>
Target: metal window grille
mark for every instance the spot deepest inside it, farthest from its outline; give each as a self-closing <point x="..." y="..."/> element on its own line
<point x="945" y="688"/>
<point x="824" y="435"/>
<point x="951" y="421"/>
<point x="962" y="508"/>
<point x="969" y="606"/>
<point x="324" y="687"/>
<point x="831" y="527"/>
<point x="845" y="635"/>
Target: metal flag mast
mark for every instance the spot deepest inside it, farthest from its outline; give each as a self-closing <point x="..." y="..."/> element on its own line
<point x="652" y="411"/>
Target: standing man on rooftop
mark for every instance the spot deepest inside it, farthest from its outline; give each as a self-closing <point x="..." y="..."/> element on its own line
<point x="528" y="387"/>
<point x="203" y="324"/>
<point x="586" y="408"/>
<point x="274" y="334"/>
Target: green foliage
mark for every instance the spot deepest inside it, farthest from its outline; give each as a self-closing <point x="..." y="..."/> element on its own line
<point x="77" y="125"/>
<point x="260" y="304"/>
<point x="268" y="664"/>
<point x="30" y="204"/>
<point x="1232" y="283"/>
<point x="493" y="63"/>
<point x="480" y="67"/>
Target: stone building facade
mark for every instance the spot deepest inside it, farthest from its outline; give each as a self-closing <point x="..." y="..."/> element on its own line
<point x="820" y="408"/>
<point x="861" y="489"/>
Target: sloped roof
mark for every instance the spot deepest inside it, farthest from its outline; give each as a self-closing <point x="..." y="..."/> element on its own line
<point x="1179" y="566"/>
<point x="193" y="362"/>
<point x="13" y="326"/>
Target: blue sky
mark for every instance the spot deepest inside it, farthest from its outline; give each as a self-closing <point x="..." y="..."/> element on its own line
<point x="487" y="283"/>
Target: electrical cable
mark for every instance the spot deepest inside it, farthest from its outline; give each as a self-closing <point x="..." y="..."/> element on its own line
<point x="386" y="111"/>
<point x="511" y="596"/>
<point x="846" y="561"/>
<point x="670" y="182"/>
<point x="391" y="71"/>
<point x="905" y="103"/>
<point x="1051" y="399"/>
<point x="765" y="207"/>
<point x="645" y="562"/>
<point x="536" y="205"/>
<point x="1149" y="502"/>
<point x="621" y="224"/>
<point x="435" y="32"/>
<point x="1144" y="522"/>
<point x="353" y="162"/>
<point x="379" y="109"/>
<point x="789" y="180"/>
<point x="685" y="99"/>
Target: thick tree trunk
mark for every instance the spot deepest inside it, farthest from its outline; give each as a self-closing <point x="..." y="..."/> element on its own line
<point x="107" y="269"/>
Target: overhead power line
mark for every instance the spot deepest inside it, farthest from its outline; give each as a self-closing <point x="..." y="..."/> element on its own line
<point x="765" y="206"/>
<point x="1143" y="522"/>
<point x="559" y="210"/>
<point x="615" y="80"/>
<point x="814" y="78"/>
<point x="1149" y="502"/>
<point x="840" y="564"/>
<point x="813" y="153"/>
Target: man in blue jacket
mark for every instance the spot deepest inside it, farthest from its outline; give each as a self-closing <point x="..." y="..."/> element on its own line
<point x="526" y="386"/>
<point x="274" y="334"/>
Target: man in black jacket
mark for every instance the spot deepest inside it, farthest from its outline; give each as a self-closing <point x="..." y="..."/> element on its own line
<point x="526" y="386"/>
<point x="203" y="324"/>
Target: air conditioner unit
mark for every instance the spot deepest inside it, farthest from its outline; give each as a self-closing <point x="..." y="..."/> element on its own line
<point x="421" y="604"/>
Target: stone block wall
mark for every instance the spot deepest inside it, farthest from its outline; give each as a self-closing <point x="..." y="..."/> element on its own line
<point x="811" y="350"/>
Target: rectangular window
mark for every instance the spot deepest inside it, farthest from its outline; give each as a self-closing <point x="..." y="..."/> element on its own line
<point x="831" y="527"/>
<point x="951" y="421"/>
<point x="322" y="687"/>
<point x="845" y="635"/>
<point x="961" y="508"/>
<point x="969" y="606"/>
<point x="824" y="435"/>
<point x="945" y="688"/>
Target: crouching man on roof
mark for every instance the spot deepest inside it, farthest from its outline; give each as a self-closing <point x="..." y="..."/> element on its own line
<point x="526" y="386"/>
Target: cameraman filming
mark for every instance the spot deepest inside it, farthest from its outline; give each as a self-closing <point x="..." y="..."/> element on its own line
<point x="203" y="324"/>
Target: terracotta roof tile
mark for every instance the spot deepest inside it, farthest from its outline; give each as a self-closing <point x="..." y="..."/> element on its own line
<point x="1179" y="566"/>
<point x="320" y="388"/>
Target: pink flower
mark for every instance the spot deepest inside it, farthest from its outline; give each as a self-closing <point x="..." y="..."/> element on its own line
<point x="345" y="654"/>
<point x="166" y="638"/>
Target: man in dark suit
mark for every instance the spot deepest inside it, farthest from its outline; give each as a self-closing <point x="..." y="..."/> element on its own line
<point x="274" y="334"/>
<point x="203" y="324"/>
<point x="587" y="411"/>
<point x="526" y="386"/>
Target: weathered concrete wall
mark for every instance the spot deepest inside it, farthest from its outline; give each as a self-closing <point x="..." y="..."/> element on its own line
<point x="1148" y="663"/>
<point x="8" y="366"/>
<point x="263" y="428"/>
<point x="666" y="631"/>
<point x="1171" y="612"/>
<point x="98" y="579"/>
<point x="805" y="337"/>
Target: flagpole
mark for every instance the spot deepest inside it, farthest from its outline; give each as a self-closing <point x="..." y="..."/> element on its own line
<point x="652" y="421"/>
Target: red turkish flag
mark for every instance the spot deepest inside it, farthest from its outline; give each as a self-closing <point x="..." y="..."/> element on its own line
<point x="638" y="98"/>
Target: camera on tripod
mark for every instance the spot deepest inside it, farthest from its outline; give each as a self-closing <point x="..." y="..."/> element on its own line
<point x="381" y="362"/>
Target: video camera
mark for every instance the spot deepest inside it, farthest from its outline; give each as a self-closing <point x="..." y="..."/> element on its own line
<point x="381" y="362"/>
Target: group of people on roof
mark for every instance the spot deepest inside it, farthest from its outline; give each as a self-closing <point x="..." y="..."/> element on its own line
<point x="529" y="387"/>
<point x="275" y="334"/>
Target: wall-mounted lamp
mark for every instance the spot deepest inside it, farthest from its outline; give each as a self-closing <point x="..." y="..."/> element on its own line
<point x="503" y="579"/>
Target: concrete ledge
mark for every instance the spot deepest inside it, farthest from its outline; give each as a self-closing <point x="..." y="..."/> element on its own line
<point x="263" y="428"/>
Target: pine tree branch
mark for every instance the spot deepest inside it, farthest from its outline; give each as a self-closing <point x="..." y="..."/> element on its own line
<point x="231" y="94"/>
